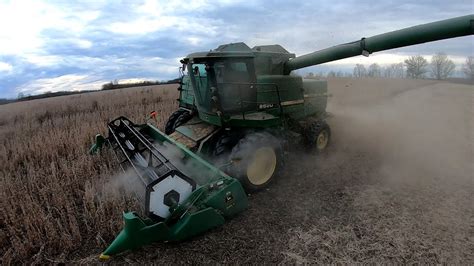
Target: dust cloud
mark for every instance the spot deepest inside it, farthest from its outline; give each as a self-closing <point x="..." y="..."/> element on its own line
<point x="417" y="133"/>
<point x="399" y="173"/>
<point x="128" y="183"/>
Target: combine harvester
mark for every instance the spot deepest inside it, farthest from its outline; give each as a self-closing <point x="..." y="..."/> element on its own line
<point x="239" y="109"/>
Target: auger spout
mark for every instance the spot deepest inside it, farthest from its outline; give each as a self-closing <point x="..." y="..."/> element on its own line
<point x="435" y="31"/>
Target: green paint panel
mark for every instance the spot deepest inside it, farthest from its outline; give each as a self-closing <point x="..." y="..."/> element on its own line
<point x="137" y="233"/>
<point x="290" y="88"/>
<point x="196" y="223"/>
<point x="230" y="200"/>
<point x="254" y="120"/>
<point x="203" y="210"/>
<point x="210" y="118"/>
<point x="315" y="97"/>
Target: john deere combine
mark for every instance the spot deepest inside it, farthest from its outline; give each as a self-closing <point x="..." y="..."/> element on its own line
<point x="239" y="110"/>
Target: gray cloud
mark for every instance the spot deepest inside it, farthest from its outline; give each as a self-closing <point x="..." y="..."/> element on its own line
<point x="109" y="40"/>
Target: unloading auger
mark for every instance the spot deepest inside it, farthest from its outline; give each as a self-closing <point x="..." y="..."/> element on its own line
<point x="239" y="108"/>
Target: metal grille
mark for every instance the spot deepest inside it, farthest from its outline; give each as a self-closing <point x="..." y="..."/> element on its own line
<point x="135" y="149"/>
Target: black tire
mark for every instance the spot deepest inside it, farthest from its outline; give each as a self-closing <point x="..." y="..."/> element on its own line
<point x="182" y="119"/>
<point x="169" y="127"/>
<point x="317" y="137"/>
<point x="171" y="123"/>
<point x="252" y="152"/>
<point x="225" y="142"/>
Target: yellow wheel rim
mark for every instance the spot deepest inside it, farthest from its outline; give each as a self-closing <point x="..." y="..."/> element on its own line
<point x="262" y="167"/>
<point x="322" y="140"/>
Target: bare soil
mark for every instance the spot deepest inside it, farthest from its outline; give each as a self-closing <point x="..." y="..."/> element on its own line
<point x="395" y="186"/>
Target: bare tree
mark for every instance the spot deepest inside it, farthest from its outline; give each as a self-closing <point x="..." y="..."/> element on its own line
<point x="374" y="70"/>
<point x="331" y="74"/>
<point x="394" y="71"/>
<point x="441" y="66"/>
<point x="388" y="72"/>
<point x="468" y="68"/>
<point x="398" y="70"/>
<point x="416" y="66"/>
<point x="359" y="71"/>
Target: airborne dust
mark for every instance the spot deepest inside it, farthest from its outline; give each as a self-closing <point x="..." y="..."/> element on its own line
<point x="402" y="161"/>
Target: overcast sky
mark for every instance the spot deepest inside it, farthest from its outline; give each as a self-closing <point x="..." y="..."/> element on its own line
<point x="73" y="45"/>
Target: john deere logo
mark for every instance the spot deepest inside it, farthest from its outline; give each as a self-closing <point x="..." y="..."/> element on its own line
<point x="229" y="197"/>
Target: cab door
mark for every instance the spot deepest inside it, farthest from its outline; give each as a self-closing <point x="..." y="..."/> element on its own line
<point x="236" y="84"/>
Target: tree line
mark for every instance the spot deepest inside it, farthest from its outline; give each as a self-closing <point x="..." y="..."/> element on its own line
<point x="108" y="86"/>
<point x="417" y="67"/>
<point x="115" y="85"/>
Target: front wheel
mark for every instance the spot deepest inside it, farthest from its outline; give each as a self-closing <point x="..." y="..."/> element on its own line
<point x="256" y="161"/>
<point x="176" y="119"/>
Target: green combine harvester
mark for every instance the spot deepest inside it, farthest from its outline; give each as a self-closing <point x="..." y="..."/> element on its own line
<point x="240" y="108"/>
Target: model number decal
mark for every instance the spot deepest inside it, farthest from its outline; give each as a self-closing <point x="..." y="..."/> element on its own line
<point x="266" y="105"/>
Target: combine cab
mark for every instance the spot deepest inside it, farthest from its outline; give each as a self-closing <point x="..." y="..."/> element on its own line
<point x="239" y="111"/>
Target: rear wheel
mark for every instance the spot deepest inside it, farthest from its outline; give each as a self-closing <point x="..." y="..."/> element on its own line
<point x="255" y="161"/>
<point x="317" y="136"/>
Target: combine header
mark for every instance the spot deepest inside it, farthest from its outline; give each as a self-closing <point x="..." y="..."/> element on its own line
<point x="239" y="110"/>
<point x="177" y="205"/>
